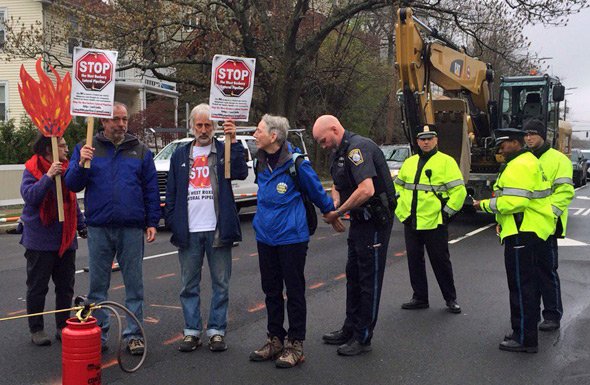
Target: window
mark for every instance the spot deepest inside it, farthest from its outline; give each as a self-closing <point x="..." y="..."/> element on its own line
<point x="3" y="99"/>
<point x="2" y="31"/>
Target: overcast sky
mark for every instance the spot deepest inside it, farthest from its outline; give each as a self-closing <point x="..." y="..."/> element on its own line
<point x="569" y="48"/>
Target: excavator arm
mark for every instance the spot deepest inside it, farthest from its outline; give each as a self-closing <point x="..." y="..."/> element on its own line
<point x="462" y="112"/>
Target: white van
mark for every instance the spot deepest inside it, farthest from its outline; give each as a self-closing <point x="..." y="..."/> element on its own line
<point x="244" y="190"/>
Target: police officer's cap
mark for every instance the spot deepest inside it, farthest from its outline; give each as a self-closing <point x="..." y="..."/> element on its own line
<point x="503" y="134"/>
<point x="427" y="132"/>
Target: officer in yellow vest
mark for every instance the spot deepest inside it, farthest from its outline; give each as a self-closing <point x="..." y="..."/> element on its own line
<point x="558" y="170"/>
<point x="525" y="219"/>
<point x="431" y="190"/>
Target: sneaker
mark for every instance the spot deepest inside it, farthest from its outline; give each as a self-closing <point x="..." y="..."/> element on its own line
<point x="135" y="347"/>
<point x="217" y="343"/>
<point x="189" y="344"/>
<point x="269" y="351"/>
<point x="549" y="325"/>
<point x="40" y="338"/>
<point x="292" y="354"/>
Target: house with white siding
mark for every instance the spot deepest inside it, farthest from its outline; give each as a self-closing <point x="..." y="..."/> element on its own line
<point x="132" y="87"/>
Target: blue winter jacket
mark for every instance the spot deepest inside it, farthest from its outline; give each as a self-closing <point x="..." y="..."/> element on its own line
<point x="280" y="214"/>
<point x="176" y="212"/>
<point x="121" y="184"/>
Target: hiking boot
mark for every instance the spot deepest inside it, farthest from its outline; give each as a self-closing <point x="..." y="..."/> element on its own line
<point x="217" y="343"/>
<point x="135" y="347"/>
<point x="269" y="351"/>
<point x="189" y="344"/>
<point x="40" y="338"/>
<point x="292" y="354"/>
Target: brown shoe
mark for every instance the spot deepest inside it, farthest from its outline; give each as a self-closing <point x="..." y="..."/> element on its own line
<point x="269" y="351"/>
<point x="292" y="354"/>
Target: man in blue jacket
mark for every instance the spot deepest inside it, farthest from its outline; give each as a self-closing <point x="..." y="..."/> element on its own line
<point x="203" y="218"/>
<point x="121" y="201"/>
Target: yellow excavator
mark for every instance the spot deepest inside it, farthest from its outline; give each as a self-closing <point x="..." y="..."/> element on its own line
<point x="439" y="83"/>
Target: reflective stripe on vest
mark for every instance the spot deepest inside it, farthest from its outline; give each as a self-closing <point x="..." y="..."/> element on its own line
<point x="564" y="180"/>
<point x="428" y="187"/>
<point x="556" y="211"/>
<point x="518" y="192"/>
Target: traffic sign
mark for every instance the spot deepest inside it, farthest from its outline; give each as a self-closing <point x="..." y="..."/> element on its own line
<point x="94" y="70"/>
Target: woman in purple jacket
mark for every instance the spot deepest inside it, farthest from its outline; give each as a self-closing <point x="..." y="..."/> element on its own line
<point x="50" y="245"/>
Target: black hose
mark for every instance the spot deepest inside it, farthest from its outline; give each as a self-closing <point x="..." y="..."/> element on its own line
<point x="110" y="305"/>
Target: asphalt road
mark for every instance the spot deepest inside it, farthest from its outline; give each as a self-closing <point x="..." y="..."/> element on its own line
<point x="409" y="347"/>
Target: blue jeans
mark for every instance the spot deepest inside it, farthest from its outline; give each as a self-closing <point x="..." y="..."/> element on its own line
<point x="191" y="264"/>
<point x="126" y="243"/>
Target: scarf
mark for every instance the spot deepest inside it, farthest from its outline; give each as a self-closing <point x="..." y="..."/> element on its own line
<point x="38" y="166"/>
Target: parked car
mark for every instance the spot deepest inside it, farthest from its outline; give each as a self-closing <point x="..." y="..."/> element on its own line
<point x="586" y="154"/>
<point x="245" y="191"/>
<point x="395" y="155"/>
<point x="580" y="167"/>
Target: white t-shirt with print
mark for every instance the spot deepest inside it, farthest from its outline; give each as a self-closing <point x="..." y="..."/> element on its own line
<point x="201" y="205"/>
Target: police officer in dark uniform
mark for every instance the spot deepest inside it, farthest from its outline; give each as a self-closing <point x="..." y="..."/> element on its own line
<point x="362" y="186"/>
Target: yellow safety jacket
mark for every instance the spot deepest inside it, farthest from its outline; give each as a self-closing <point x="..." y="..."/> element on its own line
<point x="559" y="171"/>
<point x="445" y="180"/>
<point x="522" y="194"/>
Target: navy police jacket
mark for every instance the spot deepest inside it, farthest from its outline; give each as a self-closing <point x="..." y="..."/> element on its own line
<point x="121" y="184"/>
<point x="176" y="213"/>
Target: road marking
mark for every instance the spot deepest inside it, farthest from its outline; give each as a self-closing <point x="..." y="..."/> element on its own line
<point x="570" y="242"/>
<point x="145" y="258"/>
<point x="174" y="339"/>
<point x="118" y="287"/>
<point x="583" y="197"/>
<point x="108" y="364"/>
<point x="151" y="320"/>
<point x="166" y="306"/>
<point x="471" y="233"/>
<point x="166" y="276"/>
<point x="400" y="253"/>
<point x="23" y="311"/>
<point x="257" y="307"/>
<point x="254" y="254"/>
<point x="317" y="285"/>
<point x="339" y="277"/>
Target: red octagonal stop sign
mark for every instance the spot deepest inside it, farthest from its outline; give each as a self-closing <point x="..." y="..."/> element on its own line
<point x="233" y="77"/>
<point x="94" y="71"/>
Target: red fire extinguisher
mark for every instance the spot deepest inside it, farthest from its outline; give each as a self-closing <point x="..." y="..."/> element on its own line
<point x="81" y="352"/>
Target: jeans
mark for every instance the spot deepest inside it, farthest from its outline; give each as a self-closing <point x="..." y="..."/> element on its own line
<point x="191" y="264"/>
<point x="42" y="266"/>
<point x="126" y="243"/>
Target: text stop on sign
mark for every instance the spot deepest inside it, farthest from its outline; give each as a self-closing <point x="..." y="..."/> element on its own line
<point x="94" y="71"/>
<point x="233" y="77"/>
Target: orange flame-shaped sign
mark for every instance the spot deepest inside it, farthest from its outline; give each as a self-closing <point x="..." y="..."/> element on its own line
<point x="46" y="103"/>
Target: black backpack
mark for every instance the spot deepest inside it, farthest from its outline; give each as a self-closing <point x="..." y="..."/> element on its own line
<point x="310" y="213"/>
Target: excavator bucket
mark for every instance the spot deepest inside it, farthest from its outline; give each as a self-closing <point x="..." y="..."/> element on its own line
<point x="453" y="139"/>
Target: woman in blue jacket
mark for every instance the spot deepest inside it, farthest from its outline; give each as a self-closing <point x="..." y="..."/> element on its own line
<point x="282" y="236"/>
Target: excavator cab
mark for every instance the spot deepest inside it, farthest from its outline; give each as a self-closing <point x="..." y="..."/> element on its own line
<point x="531" y="97"/>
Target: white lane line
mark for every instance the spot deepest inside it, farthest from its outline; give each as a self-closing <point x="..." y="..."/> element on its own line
<point x="145" y="258"/>
<point x="471" y="233"/>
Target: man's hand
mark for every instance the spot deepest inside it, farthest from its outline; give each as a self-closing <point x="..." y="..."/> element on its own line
<point x="331" y="216"/>
<point x="86" y="153"/>
<point x="150" y="234"/>
<point x="229" y="128"/>
<point x="477" y="205"/>
<point x="338" y="225"/>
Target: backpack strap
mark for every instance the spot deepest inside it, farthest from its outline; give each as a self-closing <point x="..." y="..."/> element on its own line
<point x="294" y="168"/>
<point x="255" y="166"/>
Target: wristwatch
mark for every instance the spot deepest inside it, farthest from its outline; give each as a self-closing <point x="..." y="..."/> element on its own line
<point x="340" y="214"/>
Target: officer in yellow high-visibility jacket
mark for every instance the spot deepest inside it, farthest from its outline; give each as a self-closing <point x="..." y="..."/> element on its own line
<point x="558" y="170"/>
<point x="431" y="190"/>
<point x="525" y="220"/>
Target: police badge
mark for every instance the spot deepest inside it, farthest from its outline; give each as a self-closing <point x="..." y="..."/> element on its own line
<point x="355" y="156"/>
